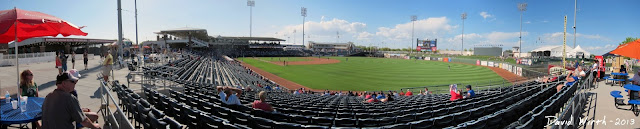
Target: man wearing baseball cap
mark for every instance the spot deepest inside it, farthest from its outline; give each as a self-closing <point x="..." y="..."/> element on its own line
<point x="60" y="109"/>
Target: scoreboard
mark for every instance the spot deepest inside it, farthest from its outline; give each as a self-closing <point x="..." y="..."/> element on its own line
<point x="427" y="45"/>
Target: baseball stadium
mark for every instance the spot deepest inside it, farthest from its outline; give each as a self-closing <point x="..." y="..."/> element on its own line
<point x="359" y="70"/>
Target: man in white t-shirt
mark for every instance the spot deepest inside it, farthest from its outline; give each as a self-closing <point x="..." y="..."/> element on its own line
<point x="227" y="95"/>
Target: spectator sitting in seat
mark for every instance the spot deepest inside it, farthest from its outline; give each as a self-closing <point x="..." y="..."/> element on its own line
<point x="27" y="86"/>
<point x="295" y="92"/>
<point x="372" y="100"/>
<point x="268" y="88"/>
<point x="401" y="93"/>
<point x="387" y="99"/>
<point x="228" y="96"/>
<point x="395" y="93"/>
<point x="60" y="109"/>
<point x="455" y="94"/>
<point x="571" y="78"/>
<point x="470" y="92"/>
<point x="326" y="93"/>
<point x="409" y="93"/>
<point x="380" y="96"/>
<point x="261" y="104"/>
<point x="367" y="95"/>
<point x="426" y="91"/>
<point x="277" y="87"/>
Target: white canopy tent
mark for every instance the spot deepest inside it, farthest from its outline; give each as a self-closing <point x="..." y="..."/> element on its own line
<point x="556" y="51"/>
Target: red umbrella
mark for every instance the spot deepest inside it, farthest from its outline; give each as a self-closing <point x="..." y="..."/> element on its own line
<point x="17" y="25"/>
<point x="631" y="50"/>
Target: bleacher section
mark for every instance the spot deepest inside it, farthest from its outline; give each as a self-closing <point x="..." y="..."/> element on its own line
<point x="198" y="105"/>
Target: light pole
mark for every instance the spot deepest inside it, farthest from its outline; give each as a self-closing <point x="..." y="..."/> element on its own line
<point x="413" y="24"/>
<point x="251" y="4"/>
<point x="303" y="12"/>
<point x="575" y="12"/>
<point x="522" y="7"/>
<point x="464" y="16"/>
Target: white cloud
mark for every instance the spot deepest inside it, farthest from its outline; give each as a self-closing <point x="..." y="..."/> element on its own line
<point x="506" y="39"/>
<point x="485" y="15"/>
<point x="500" y="36"/>
<point x="429" y="27"/>
<point x="527" y="22"/>
<point x="321" y="31"/>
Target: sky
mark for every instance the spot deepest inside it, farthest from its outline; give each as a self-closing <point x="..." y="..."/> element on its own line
<point x="601" y="25"/>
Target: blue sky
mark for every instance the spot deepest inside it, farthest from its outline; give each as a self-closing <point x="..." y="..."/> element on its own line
<point x="601" y="25"/>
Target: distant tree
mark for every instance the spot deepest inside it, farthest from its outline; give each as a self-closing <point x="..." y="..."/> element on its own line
<point x="466" y="50"/>
<point x="509" y="51"/>
<point x="446" y="49"/>
<point x="628" y="40"/>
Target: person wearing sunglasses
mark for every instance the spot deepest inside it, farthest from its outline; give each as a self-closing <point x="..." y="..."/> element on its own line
<point x="60" y="109"/>
<point x="27" y="86"/>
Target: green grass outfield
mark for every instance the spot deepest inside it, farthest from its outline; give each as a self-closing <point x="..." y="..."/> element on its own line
<point x="374" y="74"/>
<point x="282" y="58"/>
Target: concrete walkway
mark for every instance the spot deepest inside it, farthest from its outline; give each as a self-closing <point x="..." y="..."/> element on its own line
<point x="600" y="106"/>
<point x="45" y="76"/>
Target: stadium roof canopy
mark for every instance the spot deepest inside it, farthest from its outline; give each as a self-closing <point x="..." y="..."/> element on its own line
<point x="185" y="32"/>
<point x="61" y="41"/>
<point x="251" y="38"/>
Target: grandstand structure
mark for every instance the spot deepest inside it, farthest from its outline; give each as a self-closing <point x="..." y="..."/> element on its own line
<point x="193" y="102"/>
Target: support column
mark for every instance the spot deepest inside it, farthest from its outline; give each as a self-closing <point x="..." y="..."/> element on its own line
<point x="67" y="48"/>
<point x="42" y="48"/>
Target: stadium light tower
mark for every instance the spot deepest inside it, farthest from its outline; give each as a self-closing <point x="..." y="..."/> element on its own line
<point x="303" y="12"/>
<point x="575" y="12"/>
<point x="251" y="4"/>
<point x="522" y="7"/>
<point x="463" y="16"/>
<point x="413" y="24"/>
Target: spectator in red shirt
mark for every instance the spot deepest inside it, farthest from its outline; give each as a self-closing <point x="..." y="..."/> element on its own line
<point x="373" y="99"/>
<point x="455" y="94"/>
<point x="401" y="93"/>
<point x="261" y="104"/>
<point x="367" y="96"/>
<point x="409" y="93"/>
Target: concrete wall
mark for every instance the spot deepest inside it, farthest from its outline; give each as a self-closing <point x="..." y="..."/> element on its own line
<point x="487" y="51"/>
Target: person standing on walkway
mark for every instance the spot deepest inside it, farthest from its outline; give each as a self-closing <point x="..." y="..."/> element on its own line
<point x="73" y="60"/>
<point x="63" y="60"/>
<point x="58" y="63"/>
<point x="107" y="63"/>
<point x="85" y="56"/>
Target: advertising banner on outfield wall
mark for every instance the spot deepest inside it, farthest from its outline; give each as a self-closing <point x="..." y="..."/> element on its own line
<point x="427" y="58"/>
<point x="490" y="64"/>
<point x="477" y="62"/>
<point x="483" y="63"/>
<point x="519" y="71"/>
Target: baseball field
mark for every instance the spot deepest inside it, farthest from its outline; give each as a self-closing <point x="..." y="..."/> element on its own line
<point x="372" y="74"/>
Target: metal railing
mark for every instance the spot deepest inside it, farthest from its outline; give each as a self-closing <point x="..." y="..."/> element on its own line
<point x="574" y="107"/>
<point x="112" y="119"/>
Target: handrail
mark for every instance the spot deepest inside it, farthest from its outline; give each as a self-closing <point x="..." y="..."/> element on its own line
<point x="122" y="121"/>
<point x="571" y="105"/>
